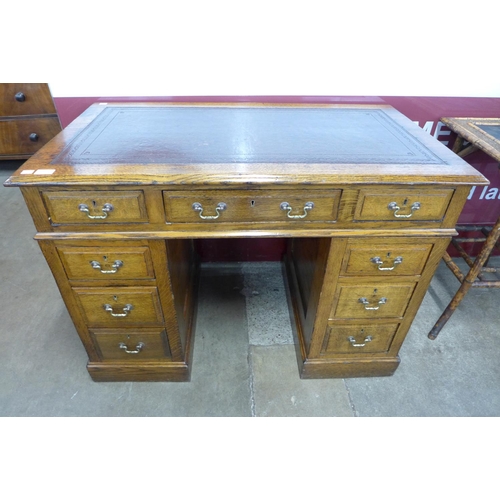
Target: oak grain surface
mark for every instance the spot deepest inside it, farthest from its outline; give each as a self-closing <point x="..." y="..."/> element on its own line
<point x="165" y="168"/>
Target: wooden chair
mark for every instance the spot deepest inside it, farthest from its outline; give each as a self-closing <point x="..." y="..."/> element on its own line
<point x="481" y="134"/>
<point x="475" y="277"/>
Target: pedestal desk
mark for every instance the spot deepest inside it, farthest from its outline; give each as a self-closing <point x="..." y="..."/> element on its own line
<point x="366" y="200"/>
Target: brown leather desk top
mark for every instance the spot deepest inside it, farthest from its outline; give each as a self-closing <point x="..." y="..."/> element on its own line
<point x="191" y="135"/>
<point x="177" y="144"/>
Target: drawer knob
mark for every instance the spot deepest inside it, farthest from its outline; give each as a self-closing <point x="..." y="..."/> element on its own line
<point x="369" y="307"/>
<point x="115" y="266"/>
<point x="137" y="350"/>
<point x="34" y="137"/>
<point x="286" y="206"/>
<point x="394" y="206"/>
<point x="198" y="207"/>
<point x="352" y="340"/>
<point x="125" y="310"/>
<point x="105" y="211"/>
<point x="380" y="263"/>
<point x="20" y="97"/>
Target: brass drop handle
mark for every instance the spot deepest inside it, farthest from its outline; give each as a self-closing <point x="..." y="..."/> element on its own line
<point x="107" y="207"/>
<point x="20" y="97"/>
<point x="394" y="206"/>
<point x="286" y="206"/>
<point x="352" y="340"/>
<point x="126" y="310"/>
<point x="367" y="305"/>
<point x="115" y="266"/>
<point x="380" y="263"/>
<point x="138" y="348"/>
<point x="198" y="207"/>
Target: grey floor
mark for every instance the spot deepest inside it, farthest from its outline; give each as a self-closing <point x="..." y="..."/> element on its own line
<point x="244" y="359"/>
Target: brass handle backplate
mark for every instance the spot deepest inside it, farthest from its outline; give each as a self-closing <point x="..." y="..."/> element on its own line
<point x="394" y="206"/>
<point x="307" y="206"/>
<point x="138" y="348"/>
<point x="198" y="207"/>
<point x="352" y="340"/>
<point x="368" y="307"/>
<point x="126" y="310"/>
<point x="380" y="263"/>
<point x="107" y="207"/>
<point x="115" y="266"/>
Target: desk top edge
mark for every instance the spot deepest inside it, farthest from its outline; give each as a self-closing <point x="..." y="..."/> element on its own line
<point x="453" y="170"/>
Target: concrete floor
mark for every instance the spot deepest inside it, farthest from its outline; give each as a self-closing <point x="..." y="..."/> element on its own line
<point x="244" y="359"/>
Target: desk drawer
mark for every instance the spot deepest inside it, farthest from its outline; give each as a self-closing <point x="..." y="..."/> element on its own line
<point x="251" y="206"/>
<point x="358" y="339"/>
<point x="384" y="257"/>
<point x="402" y="204"/>
<point x="95" y="207"/>
<point x="372" y="301"/>
<point x="26" y="99"/>
<point x="120" y="306"/>
<point x="26" y="136"/>
<point x="104" y="263"/>
<point x="133" y="345"/>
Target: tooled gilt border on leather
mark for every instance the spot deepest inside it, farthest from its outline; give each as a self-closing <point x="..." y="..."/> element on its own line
<point x="69" y="154"/>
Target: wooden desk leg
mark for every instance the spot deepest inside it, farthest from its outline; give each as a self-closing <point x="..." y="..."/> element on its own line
<point x="469" y="280"/>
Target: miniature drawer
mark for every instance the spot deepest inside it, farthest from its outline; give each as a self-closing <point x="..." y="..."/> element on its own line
<point x="26" y="99"/>
<point x="120" y="306"/>
<point x="372" y="301"/>
<point x="26" y="136"/>
<point x="251" y="206"/>
<point x="370" y="257"/>
<point x="399" y="204"/>
<point x="358" y="339"/>
<point x="104" y="263"/>
<point x="134" y="345"/>
<point x="95" y="207"/>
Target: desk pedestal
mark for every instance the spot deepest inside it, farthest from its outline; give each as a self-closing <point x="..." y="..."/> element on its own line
<point x="350" y="310"/>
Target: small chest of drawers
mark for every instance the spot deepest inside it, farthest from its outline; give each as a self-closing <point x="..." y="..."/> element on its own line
<point x="28" y="119"/>
<point x="129" y="189"/>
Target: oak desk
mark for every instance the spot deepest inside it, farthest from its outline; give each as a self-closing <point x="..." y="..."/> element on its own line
<point x="367" y="201"/>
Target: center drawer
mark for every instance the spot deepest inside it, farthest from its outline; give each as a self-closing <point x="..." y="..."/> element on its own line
<point x="251" y="206"/>
<point x="120" y="306"/>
